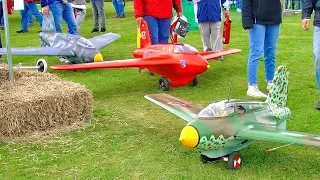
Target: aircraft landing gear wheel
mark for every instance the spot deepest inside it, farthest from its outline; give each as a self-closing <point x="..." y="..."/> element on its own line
<point x="194" y="82"/>
<point x="150" y="73"/>
<point x="234" y="161"/>
<point x="206" y="159"/>
<point x="164" y="84"/>
<point x="42" y="65"/>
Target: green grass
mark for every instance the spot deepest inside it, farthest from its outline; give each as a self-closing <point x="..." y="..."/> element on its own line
<point x="131" y="138"/>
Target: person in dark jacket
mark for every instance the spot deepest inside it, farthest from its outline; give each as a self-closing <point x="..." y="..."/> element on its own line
<point x="158" y="14"/>
<point x="29" y="6"/>
<point x="308" y="7"/>
<point x="208" y="16"/>
<point x="262" y="18"/>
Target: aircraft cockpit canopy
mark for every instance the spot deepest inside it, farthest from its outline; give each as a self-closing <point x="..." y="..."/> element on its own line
<point x="218" y="109"/>
<point x="182" y="48"/>
<point x="85" y="43"/>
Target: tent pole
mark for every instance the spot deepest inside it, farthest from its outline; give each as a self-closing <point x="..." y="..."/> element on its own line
<point x="6" y="29"/>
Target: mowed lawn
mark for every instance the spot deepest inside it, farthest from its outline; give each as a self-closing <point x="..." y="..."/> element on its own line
<point x="131" y="138"/>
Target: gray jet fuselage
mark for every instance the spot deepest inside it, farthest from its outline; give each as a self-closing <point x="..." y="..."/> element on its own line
<point x="82" y="49"/>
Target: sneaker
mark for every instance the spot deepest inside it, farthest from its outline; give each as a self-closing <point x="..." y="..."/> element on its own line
<point x="221" y="58"/>
<point x="63" y="59"/>
<point x="94" y="30"/>
<point x="121" y="16"/>
<point x="22" y="31"/>
<point x="269" y="84"/>
<point x="318" y="105"/>
<point x="30" y="24"/>
<point x="103" y="30"/>
<point x="239" y="10"/>
<point x="254" y="91"/>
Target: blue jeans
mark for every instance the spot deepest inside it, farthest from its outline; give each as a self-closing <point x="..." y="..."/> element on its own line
<point x="316" y="53"/>
<point x="159" y="29"/>
<point x="263" y="40"/>
<point x="61" y="10"/>
<point x="118" y="6"/>
<point x="30" y="20"/>
<point x="29" y="7"/>
<point x="238" y="4"/>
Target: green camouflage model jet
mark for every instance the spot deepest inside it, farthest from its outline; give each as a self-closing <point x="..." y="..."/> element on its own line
<point x="223" y="128"/>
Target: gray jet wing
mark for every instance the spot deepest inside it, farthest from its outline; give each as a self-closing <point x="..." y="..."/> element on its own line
<point x="35" y="51"/>
<point x="104" y="39"/>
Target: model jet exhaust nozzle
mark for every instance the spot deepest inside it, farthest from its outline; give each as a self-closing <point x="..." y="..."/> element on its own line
<point x="98" y="58"/>
<point x="189" y="137"/>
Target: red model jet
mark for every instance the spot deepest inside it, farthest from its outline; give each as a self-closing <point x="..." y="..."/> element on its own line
<point x="178" y="64"/>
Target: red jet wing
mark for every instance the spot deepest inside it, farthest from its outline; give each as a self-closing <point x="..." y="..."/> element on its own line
<point x="215" y="54"/>
<point x="138" y="62"/>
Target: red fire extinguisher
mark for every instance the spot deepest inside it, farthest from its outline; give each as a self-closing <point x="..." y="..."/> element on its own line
<point x="226" y="31"/>
<point x="9" y="6"/>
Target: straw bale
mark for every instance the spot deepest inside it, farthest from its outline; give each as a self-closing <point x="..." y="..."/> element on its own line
<point x="40" y="101"/>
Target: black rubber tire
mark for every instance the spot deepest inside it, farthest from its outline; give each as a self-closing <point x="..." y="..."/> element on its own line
<point x="234" y="161"/>
<point x="42" y="65"/>
<point x="194" y="82"/>
<point x="164" y="84"/>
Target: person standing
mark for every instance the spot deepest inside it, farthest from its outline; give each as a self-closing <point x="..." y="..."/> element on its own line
<point x="238" y="3"/>
<point x="308" y="7"/>
<point x="61" y="9"/>
<point x="158" y="15"/>
<point x="98" y="13"/>
<point x="208" y="16"/>
<point x="29" y="6"/>
<point x="262" y="18"/>
<point x="119" y="7"/>
<point x="80" y="12"/>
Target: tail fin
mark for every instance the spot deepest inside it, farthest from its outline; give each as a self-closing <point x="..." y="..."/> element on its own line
<point x="143" y="35"/>
<point x="278" y="93"/>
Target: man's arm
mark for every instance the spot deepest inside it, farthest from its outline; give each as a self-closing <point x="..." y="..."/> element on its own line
<point x="177" y="7"/>
<point x="246" y="12"/>
<point x="307" y="8"/>
<point x="225" y="6"/>
<point x="138" y="8"/>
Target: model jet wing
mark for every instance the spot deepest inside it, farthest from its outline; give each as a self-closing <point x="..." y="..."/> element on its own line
<point x="35" y="51"/>
<point x="262" y="133"/>
<point x="138" y="62"/>
<point x="215" y="54"/>
<point x="183" y="109"/>
<point x="104" y="39"/>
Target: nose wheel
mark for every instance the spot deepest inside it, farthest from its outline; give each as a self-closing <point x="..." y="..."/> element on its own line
<point x="164" y="84"/>
<point x="234" y="160"/>
<point x="42" y="65"/>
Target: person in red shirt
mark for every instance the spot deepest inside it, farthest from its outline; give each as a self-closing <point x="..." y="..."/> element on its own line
<point x="158" y="14"/>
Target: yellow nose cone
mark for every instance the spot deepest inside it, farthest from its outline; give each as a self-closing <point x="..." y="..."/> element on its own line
<point x="98" y="58"/>
<point x="189" y="137"/>
<point x="208" y="66"/>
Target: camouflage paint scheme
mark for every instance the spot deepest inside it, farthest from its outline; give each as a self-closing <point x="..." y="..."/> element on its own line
<point x="227" y="126"/>
<point x="77" y="49"/>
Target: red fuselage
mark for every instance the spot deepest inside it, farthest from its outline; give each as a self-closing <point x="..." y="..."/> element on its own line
<point x="186" y="63"/>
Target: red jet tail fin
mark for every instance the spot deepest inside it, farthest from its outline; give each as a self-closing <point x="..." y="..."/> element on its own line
<point x="143" y="35"/>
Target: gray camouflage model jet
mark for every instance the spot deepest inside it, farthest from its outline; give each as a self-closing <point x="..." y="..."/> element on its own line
<point x="75" y="48"/>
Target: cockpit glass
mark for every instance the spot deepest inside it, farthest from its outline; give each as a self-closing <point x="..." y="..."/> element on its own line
<point x="181" y="48"/>
<point x="85" y="43"/>
<point x="219" y="109"/>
